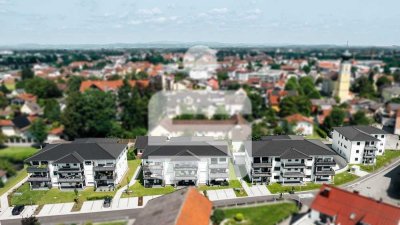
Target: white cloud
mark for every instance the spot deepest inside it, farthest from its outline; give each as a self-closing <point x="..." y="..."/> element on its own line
<point x="219" y="10"/>
<point x="149" y="12"/>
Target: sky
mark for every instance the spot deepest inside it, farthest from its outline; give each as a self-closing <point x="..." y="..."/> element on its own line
<point x="269" y="22"/>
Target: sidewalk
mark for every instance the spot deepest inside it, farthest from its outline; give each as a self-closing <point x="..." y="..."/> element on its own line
<point x="4" y="199"/>
<point x="120" y="191"/>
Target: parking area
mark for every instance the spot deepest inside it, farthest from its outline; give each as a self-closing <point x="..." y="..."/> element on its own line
<point x="258" y="190"/>
<point x="221" y="194"/>
<point x="27" y="212"/>
<point x="56" y="209"/>
<point x="122" y="203"/>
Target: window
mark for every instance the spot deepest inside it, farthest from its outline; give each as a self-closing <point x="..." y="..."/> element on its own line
<point x="256" y="160"/>
<point x="55" y="173"/>
<point x="222" y="159"/>
<point x="35" y="163"/>
<point x="214" y="160"/>
<point x="382" y="136"/>
<point x="380" y="151"/>
<point x="276" y="177"/>
<point x="356" y="159"/>
<point x="357" y="151"/>
<point x="277" y="168"/>
<point x="277" y="159"/>
<point x="376" y="136"/>
<point x="308" y="176"/>
<point x="88" y="163"/>
<point x="75" y="164"/>
<point x="358" y="143"/>
<point x="310" y="159"/>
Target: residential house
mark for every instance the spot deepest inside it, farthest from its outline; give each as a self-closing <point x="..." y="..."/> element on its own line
<point x="288" y="159"/>
<point x="335" y="206"/>
<point x="55" y="135"/>
<point x="300" y="124"/>
<point x="359" y="144"/>
<point x="182" y="207"/>
<point x="98" y="162"/>
<point x="110" y="85"/>
<point x="186" y="163"/>
<point x="17" y="127"/>
<point x="31" y="108"/>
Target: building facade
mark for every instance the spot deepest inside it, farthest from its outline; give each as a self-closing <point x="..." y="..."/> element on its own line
<point x="185" y="163"/>
<point x="101" y="163"/>
<point x="289" y="160"/>
<point x="359" y="144"/>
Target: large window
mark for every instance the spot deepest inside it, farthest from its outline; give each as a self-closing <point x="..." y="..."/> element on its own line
<point x="214" y="160"/>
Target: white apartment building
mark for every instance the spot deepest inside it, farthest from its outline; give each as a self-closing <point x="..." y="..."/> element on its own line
<point x="288" y="159"/>
<point x="101" y="163"/>
<point x="182" y="163"/>
<point x="359" y="144"/>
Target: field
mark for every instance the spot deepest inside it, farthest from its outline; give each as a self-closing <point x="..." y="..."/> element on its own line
<point x="382" y="160"/>
<point x="17" y="154"/>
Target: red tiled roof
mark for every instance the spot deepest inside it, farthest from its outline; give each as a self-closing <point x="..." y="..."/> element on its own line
<point x="27" y="97"/>
<point x="196" y="209"/>
<point x="351" y="208"/>
<point x="298" y="118"/>
<point x="107" y="85"/>
<point x="57" y="130"/>
<point x="6" y="123"/>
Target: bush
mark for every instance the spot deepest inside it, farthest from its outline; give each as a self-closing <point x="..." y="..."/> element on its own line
<point x="239" y="217"/>
<point x="320" y="132"/>
<point x="91" y="198"/>
<point x="217" y="216"/>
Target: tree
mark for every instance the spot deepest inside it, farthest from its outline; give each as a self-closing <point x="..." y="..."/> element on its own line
<point x="42" y="88"/>
<point x="4" y="89"/>
<point x="38" y="130"/>
<point x="291" y="84"/>
<point x="3" y="100"/>
<point x="364" y="87"/>
<point x="295" y="104"/>
<point x="259" y="130"/>
<point x="382" y="82"/>
<point x="52" y="110"/>
<point x="89" y="114"/>
<point x="222" y="76"/>
<point x="359" y="118"/>
<point x="27" y="73"/>
<point x="306" y="69"/>
<point x="3" y="138"/>
<point x="336" y="118"/>
<point x="74" y="83"/>
<point x="218" y="216"/>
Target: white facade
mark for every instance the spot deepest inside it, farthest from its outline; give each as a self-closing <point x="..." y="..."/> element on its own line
<point x="91" y="173"/>
<point x="359" y="152"/>
<point x="199" y="170"/>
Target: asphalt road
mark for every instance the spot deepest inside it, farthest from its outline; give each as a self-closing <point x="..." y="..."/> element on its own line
<point x="82" y="217"/>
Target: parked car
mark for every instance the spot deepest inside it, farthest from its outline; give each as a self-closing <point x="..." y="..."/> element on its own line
<point x="17" y="210"/>
<point x="107" y="202"/>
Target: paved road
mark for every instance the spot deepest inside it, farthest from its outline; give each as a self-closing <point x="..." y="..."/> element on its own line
<point x="82" y="217"/>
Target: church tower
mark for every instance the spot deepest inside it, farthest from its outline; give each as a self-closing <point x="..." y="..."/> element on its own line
<point x="343" y="83"/>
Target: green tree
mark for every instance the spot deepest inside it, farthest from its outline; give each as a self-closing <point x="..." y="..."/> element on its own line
<point x="364" y="87"/>
<point x="336" y="118"/>
<point x="42" y="88"/>
<point x="3" y="100"/>
<point x="74" y="83"/>
<point x="292" y="85"/>
<point x="4" y="89"/>
<point x="295" y="104"/>
<point x="359" y="118"/>
<point x="218" y="216"/>
<point x="306" y="69"/>
<point x="222" y="76"/>
<point x="52" y="110"/>
<point x="27" y="73"/>
<point x="382" y="82"/>
<point x="38" y="130"/>
<point x="89" y="114"/>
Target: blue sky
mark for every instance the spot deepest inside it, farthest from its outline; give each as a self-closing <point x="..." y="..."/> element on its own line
<point x="361" y="22"/>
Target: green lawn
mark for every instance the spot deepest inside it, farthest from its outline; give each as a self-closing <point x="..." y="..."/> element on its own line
<point x="132" y="165"/>
<point x="54" y="195"/>
<point x="16" y="154"/>
<point x="13" y="181"/>
<point x="232" y="184"/>
<point x="262" y="215"/>
<point x="342" y="178"/>
<point x="278" y="188"/>
<point x="382" y="160"/>
<point x="139" y="190"/>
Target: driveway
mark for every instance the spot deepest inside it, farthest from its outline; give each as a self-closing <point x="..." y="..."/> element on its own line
<point x="28" y="211"/>
<point x="258" y="190"/>
<point x="56" y="209"/>
<point x="222" y="194"/>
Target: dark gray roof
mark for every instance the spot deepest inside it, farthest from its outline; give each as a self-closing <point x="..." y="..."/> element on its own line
<point x="288" y="149"/>
<point x="187" y="149"/>
<point x="21" y="122"/>
<point x="359" y="133"/>
<point x="96" y="140"/>
<point x="78" y="152"/>
<point x="282" y="137"/>
<point x="142" y="141"/>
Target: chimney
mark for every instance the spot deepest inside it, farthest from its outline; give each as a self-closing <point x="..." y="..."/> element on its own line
<point x="356" y="192"/>
<point x="325" y="192"/>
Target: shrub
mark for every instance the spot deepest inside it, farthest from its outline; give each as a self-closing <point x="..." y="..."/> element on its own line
<point x="239" y="217"/>
<point x="217" y="216"/>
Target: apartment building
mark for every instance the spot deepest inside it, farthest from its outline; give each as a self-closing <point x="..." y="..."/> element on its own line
<point x="359" y="144"/>
<point x="289" y="159"/>
<point x="101" y="163"/>
<point x="180" y="162"/>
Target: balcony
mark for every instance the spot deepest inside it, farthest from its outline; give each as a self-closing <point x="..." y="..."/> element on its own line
<point x="293" y="174"/>
<point x="38" y="169"/>
<point x="70" y="169"/>
<point x="150" y="176"/>
<point x="325" y="163"/>
<point x="261" y="174"/>
<point x="30" y="179"/>
<point x="70" y="179"/>
<point x="293" y="164"/>
<point x="148" y="167"/>
<point x="218" y="166"/>
<point x="105" y="178"/>
<point x="370" y="148"/>
<point x="185" y="167"/>
<point x="262" y="165"/>
<point x="325" y="172"/>
<point x="218" y="175"/>
<point x="104" y="168"/>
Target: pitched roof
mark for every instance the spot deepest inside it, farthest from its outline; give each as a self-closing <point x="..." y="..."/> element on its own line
<point x="78" y="152"/>
<point x="288" y="148"/>
<point x="359" y="133"/>
<point x="351" y="208"/>
<point x="110" y="85"/>
<point x="21" y="122"/>
<point x="183" y="207"/>
<point x="298" y="118"/>
<point x="216" y="148"/>
<point x="6" y="123"/>
<point x="143" y="141"/>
